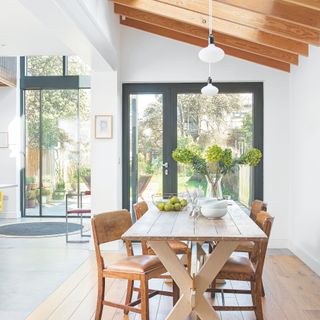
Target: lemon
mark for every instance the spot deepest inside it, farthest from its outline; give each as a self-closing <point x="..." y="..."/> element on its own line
<point x="174" y="200"/>
<point x="183" y="202"/>
<point x="168" y="207"/>
<point x="160" y="206"/>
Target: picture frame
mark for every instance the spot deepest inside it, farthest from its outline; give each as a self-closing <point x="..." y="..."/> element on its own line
<point x="103" y="126"/>
<point x="4" y="140"/>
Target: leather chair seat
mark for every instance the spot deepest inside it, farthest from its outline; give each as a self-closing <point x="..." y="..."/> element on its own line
<point x="246" y="246"/>
<point x="136" y="264"/>
<point x="179" y="247"/>
<point x="238" y="268"/>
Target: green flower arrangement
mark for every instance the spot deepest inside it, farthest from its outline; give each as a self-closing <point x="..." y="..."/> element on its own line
<point x="215" y="162"/>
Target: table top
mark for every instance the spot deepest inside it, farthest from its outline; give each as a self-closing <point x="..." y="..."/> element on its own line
<point x="236" y="225"/>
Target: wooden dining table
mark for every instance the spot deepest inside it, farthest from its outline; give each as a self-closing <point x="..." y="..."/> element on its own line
<point x="157" y="228"/>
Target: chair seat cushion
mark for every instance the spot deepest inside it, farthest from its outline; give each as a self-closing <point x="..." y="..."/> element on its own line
<point x="237" y="268"/>
<point x="178" y="247"/>
<point x="136" y="264"/>
<point x="246" y="246"/>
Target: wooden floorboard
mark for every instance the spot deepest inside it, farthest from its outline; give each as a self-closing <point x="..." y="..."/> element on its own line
<point x="292" y="293"/>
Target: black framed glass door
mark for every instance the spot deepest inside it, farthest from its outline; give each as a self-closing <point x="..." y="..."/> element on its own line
<point x="56" y="149"/>
<point x="159" y="117"/>
<point x="149" y="163"/>
<point x="55" y="107"/>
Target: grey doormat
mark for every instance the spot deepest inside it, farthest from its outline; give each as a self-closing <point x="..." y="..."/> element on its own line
<point x="38" y="229"/>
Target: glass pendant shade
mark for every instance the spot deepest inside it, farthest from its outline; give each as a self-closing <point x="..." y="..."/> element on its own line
<point x="211" y="54"/>
<point x="210" y="90"/>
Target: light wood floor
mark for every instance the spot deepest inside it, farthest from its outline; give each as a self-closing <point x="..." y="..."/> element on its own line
<point x="292" y="293"/>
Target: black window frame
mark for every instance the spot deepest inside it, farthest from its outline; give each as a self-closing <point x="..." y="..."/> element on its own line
<point x="172" y="89"/>
<point x="63" y="82"/>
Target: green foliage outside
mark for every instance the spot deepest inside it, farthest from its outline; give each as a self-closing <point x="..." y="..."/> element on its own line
<point x="201" y="123"/>
<point x="59" y="118"/>
<point x="216" y="159"/>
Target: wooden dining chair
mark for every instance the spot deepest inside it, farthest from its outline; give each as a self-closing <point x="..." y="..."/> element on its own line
<point x="249" y="246"/>
<point x="179" y="247"/>
<point x="108" y="227"/>
<point x="241" y="268"/>
<point x="256" y="207"/>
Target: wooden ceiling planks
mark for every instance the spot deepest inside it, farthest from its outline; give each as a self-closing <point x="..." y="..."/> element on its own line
<point x="252" y="19"/>
<point x="312" y="4"/>
<point x="280" y="9"/>
<point x="183" y="37"/>
<point x="221" y="26"/>
<point x="6" y="83"/>
<point x="271" y="33"/>
<point x="202" y="33"/>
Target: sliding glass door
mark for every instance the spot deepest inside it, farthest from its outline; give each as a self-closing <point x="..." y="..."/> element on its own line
<point x="55" y="104"/>
<point x="159" y="117"/>
<point x="57" y="149"/>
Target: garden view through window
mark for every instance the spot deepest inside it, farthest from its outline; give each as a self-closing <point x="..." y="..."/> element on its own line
<point x="57" y="146"/>
<point x="226" y="120"/>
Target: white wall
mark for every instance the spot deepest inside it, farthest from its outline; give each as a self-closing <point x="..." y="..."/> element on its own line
<point x="150" y="58"/>
<point x="304" y="159"/>
<point x="10" y="157"/>
<point x="106" y="174"/>
<point x="105" y="153"/>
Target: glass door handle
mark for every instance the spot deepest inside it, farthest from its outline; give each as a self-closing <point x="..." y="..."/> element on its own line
<point x="165" y="165"/>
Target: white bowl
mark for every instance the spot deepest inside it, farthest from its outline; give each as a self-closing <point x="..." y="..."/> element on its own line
<point x="221" y="204"/>
<point x="207" y="201"/>
<point x="213" y="213"/>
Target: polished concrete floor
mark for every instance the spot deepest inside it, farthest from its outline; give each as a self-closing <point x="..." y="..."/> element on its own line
<point x="32" y="268"/>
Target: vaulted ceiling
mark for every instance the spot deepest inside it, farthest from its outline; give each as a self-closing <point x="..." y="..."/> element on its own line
<point x="269" y="32"/>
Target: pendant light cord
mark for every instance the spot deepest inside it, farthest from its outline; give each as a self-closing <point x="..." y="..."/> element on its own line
<point x="210" y="17"/>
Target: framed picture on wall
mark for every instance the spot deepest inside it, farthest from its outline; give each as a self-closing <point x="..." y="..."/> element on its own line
<point x="103" y="127"/>
<point x="4" y="140"/>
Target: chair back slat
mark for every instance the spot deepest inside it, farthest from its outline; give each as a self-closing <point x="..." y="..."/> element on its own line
<point x="140" y="208"/>
<point x="264" y="221"/>
<point x="109" y="226"/>
<point x="256" y="207"/>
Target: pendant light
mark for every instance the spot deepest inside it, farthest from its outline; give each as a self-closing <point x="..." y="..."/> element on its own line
<point x="211" y="53"/>
<point x="209" y="90"/>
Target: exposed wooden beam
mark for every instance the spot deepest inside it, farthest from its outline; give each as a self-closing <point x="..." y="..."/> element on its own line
<point x="202" y="33"/>
<point x="251" y="19"/>
<point x="280" y="9"/>
<point x="222" y="26"/>
<point x="312" y="4"/>
<point x="6" y="83"/>
<point x="202" y="42"/>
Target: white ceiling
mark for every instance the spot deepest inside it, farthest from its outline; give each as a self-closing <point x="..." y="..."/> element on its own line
<point x="59" y="27"/>
<point x="21" y="33"/>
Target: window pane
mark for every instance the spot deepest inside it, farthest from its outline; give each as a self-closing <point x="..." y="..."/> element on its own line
<point x="226" y="120"/>
<point x="77" y="67"/>
<point x="32" y="169"/>
<point x="45" y="66"/>
<point x="59" y="149"/>
<point x="84" y="145"/>
<point x="145" y="146"/>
